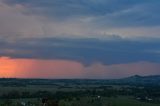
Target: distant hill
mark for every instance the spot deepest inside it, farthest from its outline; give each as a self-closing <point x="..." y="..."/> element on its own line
<point x="143" y="80"/>
<point x="137" y="80"/>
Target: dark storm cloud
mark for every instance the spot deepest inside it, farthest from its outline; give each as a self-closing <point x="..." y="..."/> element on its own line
<point x="105" y="12"/>
<point x="86" y="51"/>
<point x="79" y="18"/>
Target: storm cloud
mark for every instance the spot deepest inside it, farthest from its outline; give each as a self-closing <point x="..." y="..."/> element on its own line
<point x="86" y="51"/>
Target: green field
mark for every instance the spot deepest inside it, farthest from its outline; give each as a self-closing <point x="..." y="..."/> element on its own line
<point x="84" y="101"/>
<point x="118" y="101"/>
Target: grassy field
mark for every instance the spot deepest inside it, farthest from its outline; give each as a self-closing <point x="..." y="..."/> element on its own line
<point x="85" y="101"/>
<point x="118" y="101"/>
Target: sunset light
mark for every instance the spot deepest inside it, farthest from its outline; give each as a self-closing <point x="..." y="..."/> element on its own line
<point x="8" y="67"/>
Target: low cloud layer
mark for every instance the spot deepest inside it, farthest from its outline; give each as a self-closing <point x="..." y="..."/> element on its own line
<point x="86" y="51"/>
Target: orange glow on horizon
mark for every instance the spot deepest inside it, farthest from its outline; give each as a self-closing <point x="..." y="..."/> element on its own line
<point x="7" y="67"/>
<point x="37" y="68"/>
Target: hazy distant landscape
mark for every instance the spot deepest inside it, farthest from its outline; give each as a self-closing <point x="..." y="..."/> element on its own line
<point x="132" y="91"/>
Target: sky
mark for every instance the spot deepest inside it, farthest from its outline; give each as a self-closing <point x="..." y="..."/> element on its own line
<point x="94" y="39"/>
